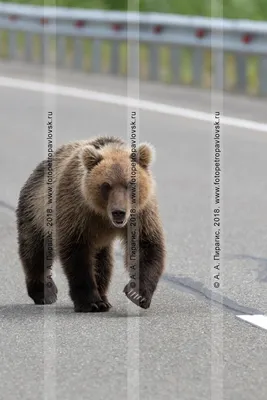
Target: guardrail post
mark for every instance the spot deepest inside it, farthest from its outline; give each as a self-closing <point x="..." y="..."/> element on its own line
<point x="115" y="57"/>
<point x="60" y="50"/>
<point x="12" y="44"/>
<point x="175" y="64"/>
<point x="217" y="69"/>
<point x="78" y="53"/>
<point x="241" y="83"/>
<point x="133" y="59"/>
<point x="96" y="56"/>
<point x="153" y="61"/>
<point x="28" y="46"/>
<point x="44" y="56"/>
<point x="197" y="66"/>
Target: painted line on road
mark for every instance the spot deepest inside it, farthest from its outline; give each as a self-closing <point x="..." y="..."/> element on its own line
<point x="198" y="289"/>
<point x="256" y="320"/>
<point x="125" y="101"/>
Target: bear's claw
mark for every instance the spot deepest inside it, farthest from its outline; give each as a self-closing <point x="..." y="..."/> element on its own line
<point x="99" y="306"/>
<point x="136" y="297"/>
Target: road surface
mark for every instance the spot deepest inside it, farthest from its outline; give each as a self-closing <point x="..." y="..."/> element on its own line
<point x="189" y="345"/>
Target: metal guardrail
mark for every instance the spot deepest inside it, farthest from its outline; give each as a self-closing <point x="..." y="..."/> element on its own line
<point x="227" y="54"/>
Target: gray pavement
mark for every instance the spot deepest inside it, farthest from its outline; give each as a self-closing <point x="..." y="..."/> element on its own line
<point x="184" y="347"/>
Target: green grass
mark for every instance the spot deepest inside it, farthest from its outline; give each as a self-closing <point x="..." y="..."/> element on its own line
<point x="247" y="9"/>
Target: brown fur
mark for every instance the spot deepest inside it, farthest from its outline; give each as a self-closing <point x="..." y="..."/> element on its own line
<point x="91" y="207"/>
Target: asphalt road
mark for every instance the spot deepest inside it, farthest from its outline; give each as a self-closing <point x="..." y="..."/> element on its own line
<point x="185" y="346"/>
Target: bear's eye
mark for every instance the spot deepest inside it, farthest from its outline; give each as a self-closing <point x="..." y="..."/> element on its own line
<point x="105" y="188"/>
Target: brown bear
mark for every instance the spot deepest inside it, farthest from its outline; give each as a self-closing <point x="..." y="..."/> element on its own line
<point x="73" y="206"/>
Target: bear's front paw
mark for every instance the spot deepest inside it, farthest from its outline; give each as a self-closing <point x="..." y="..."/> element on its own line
<point x="139" y="297"/>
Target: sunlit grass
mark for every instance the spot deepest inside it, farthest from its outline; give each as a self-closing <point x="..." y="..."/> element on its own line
<point x="246" y="9"/>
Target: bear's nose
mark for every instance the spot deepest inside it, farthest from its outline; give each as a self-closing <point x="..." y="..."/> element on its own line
<point x="118" y="215"/>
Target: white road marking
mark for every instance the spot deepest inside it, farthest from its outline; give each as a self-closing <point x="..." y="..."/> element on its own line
<point x="257" y="320"/>
<point x="85" y="94"/>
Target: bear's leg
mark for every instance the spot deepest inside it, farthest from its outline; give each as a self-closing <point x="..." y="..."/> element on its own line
<point x="103" y="270"/>
<point x="145" y="276"/>
<point x="77" y="263"/>
<point x="37" y="264"/>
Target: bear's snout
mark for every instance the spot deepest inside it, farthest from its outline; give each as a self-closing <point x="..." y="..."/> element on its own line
<point x="118" y="217"/>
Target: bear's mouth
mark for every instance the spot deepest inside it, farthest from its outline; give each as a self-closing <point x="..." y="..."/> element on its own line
<point x="118" y="223"/>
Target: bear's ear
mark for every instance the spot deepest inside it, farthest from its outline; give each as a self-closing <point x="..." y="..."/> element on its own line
<point x="145" y="154"/>
<point x="90" y="157"/>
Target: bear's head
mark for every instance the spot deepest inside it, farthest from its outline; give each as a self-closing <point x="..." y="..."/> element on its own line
<point x="117" y="181"/>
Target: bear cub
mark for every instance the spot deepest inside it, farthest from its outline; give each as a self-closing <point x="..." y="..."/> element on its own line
<point x="74" y="205"/>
